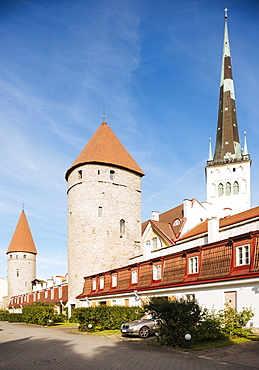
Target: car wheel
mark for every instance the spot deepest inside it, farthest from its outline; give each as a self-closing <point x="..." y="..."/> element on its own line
<point x="144" y="332"/>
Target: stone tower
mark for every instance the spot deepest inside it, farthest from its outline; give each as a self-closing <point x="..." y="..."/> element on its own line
<point x="21" y="256"/>
<point x="228" y="171"/>
<point x="104" y="209"/>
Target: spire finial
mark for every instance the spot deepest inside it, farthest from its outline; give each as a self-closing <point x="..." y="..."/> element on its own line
<point x="226" y="13"/>
<point x="104" y="114"/>
<point x="23" y="206"/>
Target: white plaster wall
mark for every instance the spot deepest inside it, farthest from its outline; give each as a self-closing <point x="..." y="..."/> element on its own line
<point x="95" y="244"/>
<point x="27" y="272"/>
<point x="230" y="172"/>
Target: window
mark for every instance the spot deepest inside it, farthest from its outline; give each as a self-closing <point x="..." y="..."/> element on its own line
<point x="134" y="276"/>
<point x="80" y="174"/>
<point x="46" y="294"/>
<point x="243" y="255"/>
<point x="100" y="211"/>
<point x="94" y="284"/>
<point x="154" y="243"/>
<point x="176" y="222"/>
<point x="11" y="256"/>
<point x="98" y="172"/>
<point x="220" y="190"/>
<point x="52" y="293"/>
<point x="60" y="292"/>
<point x="101" y="282"/>
<point x="157" y="272"/>
<point x="112" y="175"/>
<point x="193" y="265"/>
<point x="243" y="186"/>
<point x="17" y="273"/>
<point x="227" y="174"/>
<point x="114" y="280"/>
<point x="213" y="190"/>
<point x="122" y="226"/>
<point x="228" y="188"/>
<point x="235" y="187"/>
<point x="24" y="256"/>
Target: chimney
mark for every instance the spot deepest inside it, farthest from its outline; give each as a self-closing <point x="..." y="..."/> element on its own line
<point x="155" y="216"/>
<point x="213" y="230"/>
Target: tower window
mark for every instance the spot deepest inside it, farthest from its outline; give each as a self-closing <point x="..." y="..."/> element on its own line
<point x="235" y="187"/>
<point x="99" y="172"/>
<point x="100" y="211"/>
<point x="220" y="190"/>
<point x="112" y="175"/>
<point x="122" y="226"/>
<point x="228" y="188"/>
<point x="80" y="174"/>
<point x="24" y="256"/>
<point x="17" y="273"/>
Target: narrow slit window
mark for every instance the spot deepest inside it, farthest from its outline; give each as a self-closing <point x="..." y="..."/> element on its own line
<point x="112" y="175"/>
<point x="122" y="226"/>
<point x="100" y="211"/>
<point x="80" y="174"/>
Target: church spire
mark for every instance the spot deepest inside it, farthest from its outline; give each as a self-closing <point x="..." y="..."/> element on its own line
<point x="227" y="142"/>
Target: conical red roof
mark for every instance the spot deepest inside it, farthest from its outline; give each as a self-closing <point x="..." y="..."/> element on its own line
<point x="22" y="240"/>
<point x="105" y="147"/>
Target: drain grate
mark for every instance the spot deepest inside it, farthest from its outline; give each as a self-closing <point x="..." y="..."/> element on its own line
<point x="45" y="361"/>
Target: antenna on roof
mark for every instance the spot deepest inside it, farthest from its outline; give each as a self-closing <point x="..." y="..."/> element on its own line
<point x="226" y="12"/>
<point x="104" y="114"/>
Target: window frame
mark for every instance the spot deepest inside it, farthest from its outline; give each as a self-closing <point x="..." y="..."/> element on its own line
<point x="134" y="276"/>
<point x="193" y="265"/>
<point x="243" y="257"/>
<point x="157" y="271"/>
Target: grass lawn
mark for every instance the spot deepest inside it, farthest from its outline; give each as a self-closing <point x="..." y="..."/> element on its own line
<point x="61" y="324"/>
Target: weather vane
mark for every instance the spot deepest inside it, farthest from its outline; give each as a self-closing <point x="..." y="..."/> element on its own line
<point x="226" y="12"/>
<point x="104" y="113"/>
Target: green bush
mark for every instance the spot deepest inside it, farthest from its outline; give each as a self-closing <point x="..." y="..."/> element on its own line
<point x="104" y="318"/>
<point x="234" y="322"/>
<point x="4" y="315"/>
<point x="15" y="317"/>
<point x="210" y="327"/>
<point x="177" y="318"/>
<point x="39" y="313"/>
<point x="59" y="318"/>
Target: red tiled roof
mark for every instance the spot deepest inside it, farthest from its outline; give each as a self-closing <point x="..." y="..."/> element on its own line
<point x="22" y="240"/>
<point x="105" y="147"/>
<point x="230" y="220"/>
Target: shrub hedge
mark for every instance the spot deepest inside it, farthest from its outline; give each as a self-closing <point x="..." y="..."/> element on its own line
<point x="39" y="314"/>
<point x="104" y="318"/>
<point x="4" y="315"/>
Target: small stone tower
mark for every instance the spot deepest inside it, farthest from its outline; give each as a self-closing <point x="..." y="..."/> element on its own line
<point x="228" y="172"/>
<point x="21" y="256"/>
<point x="104" y="209"/>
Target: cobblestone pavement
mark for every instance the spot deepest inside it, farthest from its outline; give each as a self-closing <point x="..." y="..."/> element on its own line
<point x="25" y="347"/>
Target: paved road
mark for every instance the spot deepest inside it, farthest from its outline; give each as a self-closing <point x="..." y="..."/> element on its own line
<point x="25" y="347"/>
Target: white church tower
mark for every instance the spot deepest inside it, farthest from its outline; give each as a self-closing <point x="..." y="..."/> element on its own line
<point x="21" y="256"/>
<point x="228" y="171"/>
<point x="104" y="210"/>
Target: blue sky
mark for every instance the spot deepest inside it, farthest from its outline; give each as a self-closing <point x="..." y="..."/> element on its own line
<point x="154" y="65"/>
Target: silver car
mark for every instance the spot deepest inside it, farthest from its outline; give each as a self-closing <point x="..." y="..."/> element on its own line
<point x="143" y="328"/>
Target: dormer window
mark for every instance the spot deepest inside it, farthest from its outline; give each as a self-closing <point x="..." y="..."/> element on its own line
<point x="243" y="255"/>
<point x="193" y="265"/>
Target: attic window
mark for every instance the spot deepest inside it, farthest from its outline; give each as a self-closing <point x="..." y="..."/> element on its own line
<point x="176" y="222"/>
